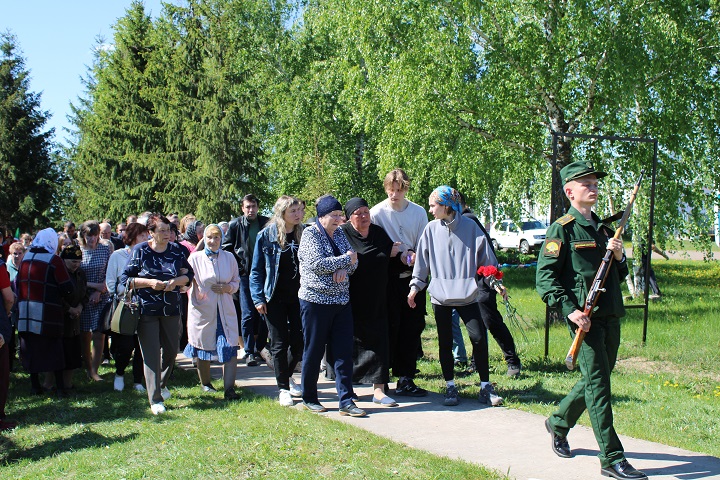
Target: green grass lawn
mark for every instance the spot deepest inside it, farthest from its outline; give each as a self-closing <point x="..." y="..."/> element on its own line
<point x="99" y="433"/>
<point x="667" y="391"/>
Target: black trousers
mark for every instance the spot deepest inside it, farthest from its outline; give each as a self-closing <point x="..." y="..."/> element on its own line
<point x="286" y="338"/>
<point x="331" y="326"/>
<point x="405" y="326"/>
<point x="470" y="314"/>
<point x="123" y="348"/>
<point x="493" y="320"/>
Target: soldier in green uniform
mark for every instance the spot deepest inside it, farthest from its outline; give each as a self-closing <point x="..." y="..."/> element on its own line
<point x="569" y="259"/>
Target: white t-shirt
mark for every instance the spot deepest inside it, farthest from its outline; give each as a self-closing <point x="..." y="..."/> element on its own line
<point x="405" y="226"/>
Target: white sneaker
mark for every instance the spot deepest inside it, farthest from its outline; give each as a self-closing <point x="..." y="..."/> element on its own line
<point x="158" y="408"/>
<point x="165" y="393"/>
<point x="119" y="383"/>
<point x="139" y="387"/>
<point x="295" y="389"/>
<point x="285" y="398"/>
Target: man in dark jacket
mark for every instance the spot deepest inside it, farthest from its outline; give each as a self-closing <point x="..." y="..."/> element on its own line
<point x="240" y="240"/>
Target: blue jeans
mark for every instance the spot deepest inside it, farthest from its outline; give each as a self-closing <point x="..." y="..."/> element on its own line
<point x="459" y="352"/>
<point x="252" y="328"/>
<point x="330" y="325"/>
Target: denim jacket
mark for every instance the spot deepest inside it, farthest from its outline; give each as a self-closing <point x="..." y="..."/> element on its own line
<point x="265" y="263"/>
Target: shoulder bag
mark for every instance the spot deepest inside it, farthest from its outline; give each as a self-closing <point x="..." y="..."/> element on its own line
<point x="126" y="316"/>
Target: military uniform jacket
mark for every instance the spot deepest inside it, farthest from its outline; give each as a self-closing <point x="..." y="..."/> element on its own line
<point x="569" y="259"/>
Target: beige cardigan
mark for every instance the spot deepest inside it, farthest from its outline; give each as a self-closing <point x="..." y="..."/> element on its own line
<point x="203" y="303"/>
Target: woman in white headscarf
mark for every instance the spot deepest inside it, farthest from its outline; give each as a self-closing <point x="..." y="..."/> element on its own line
<point x="42" y="284"/>
<point x="212" y="324"/>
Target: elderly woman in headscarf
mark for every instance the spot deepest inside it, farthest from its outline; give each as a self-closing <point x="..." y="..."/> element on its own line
<point x="212" y="320"/>
<point x="73" y="306"/>
<point x="452" y="248"/>
<point x="43" y="282"/>
<point x="368" y="297"/>
<point x="326" y="263"/>
<point x="193" y="234"/>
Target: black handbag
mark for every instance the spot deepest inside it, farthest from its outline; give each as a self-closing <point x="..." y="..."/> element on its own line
<point x="126" y="316"/>
<point x="106" y="314"/>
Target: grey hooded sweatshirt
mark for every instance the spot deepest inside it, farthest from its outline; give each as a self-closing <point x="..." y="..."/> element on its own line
<point x="451" y="253"/>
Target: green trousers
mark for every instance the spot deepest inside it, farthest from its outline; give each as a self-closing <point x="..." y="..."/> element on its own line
<point x="596" y="360"/>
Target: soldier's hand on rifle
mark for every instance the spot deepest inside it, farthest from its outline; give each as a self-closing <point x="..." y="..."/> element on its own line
<point x="580" y="319"/>
<point x="615" y="244"/>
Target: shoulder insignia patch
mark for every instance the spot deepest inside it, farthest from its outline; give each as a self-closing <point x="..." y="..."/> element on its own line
<point x="565" y="219"/>
<point x="552" y="247"/>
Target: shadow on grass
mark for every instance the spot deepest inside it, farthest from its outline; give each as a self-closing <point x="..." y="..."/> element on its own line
<point x="12" y="453"/>
<point x="97" y="402"/>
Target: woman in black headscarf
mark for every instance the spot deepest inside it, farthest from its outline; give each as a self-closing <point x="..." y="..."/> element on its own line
<point x="193" y="234"/>
<point x="368" y="287"/>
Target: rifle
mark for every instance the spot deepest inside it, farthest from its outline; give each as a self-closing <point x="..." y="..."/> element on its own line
<point x="599" y="281"/>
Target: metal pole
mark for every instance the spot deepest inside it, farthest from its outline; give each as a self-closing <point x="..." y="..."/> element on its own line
<point x="553" y="199"/>
<point x="649" y="241"/>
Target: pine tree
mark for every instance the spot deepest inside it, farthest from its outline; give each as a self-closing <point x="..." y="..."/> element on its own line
<point x="119" y="140"/>
<point x="28" y="170"/>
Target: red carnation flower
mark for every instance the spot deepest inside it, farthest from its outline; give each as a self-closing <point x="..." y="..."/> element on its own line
<point x="490" y="271"/>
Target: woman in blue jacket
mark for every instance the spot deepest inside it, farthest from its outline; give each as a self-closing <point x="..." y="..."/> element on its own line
<point x="274" y="285"/>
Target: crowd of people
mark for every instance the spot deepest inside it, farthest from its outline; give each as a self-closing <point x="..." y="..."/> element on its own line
<point x="343" y="293"/>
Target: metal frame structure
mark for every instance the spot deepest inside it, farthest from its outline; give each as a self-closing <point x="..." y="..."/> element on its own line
<point x="554" y="200"/>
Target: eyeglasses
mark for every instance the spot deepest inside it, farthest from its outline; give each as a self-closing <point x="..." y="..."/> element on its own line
<point x="360" y="214"/>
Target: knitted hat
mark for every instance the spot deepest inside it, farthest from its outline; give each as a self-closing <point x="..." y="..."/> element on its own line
<point x="327" y="204"/>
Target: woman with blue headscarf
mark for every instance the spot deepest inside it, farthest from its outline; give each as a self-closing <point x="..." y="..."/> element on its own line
<point x="212" y="324"/>
<point x="452" y="248"/>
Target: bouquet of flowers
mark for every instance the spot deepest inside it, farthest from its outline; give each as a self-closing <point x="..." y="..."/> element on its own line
<point x="494" y="277"/>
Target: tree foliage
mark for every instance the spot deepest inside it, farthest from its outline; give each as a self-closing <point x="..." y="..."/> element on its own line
<point x="172" y="115"/>
<point x="120" y="140"/>
<point x="28" y="167"/>
<point x="308" y="97"/>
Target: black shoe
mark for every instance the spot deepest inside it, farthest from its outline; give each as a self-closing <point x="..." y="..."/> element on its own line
<point x="251" y="361"/>
<point x="352" y="410"/>
<point x="407" y="388"/>
<point x="314" y="407"/>
<point x="623" y="470"/>
<point x="231" y="394"/>
<point x="513" y="370"/>
<point x="559" y="444"/>
<point x="451" y="396"/>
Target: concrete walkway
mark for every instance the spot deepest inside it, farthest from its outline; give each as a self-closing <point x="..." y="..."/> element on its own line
<point x="510" y="441"/>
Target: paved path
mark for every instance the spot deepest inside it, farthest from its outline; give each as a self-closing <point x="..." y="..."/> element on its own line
<point x="510" y="441"/>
